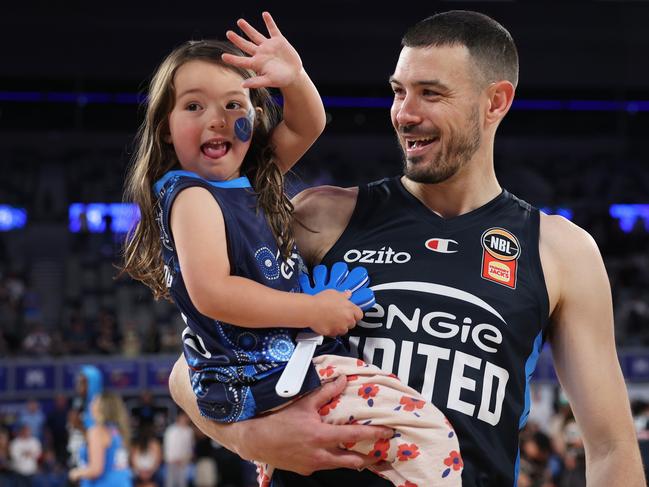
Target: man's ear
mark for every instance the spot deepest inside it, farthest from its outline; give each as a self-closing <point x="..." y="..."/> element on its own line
<point x="501" y="96"/>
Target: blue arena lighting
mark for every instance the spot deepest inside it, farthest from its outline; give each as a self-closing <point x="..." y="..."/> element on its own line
<point x="87" y="98"/>
<point x="12" y="218"/>
<point x="628" y="214"/>
<point x="356" y="102"/>
<point x="92" y="217"/>
<point x="564" y="212"/>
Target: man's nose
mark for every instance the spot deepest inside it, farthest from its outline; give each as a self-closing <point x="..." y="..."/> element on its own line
<point x="408" y="111"/>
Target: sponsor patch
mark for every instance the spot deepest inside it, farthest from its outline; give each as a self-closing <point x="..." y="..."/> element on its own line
<point x="500" y="254"/>
<point x="442" y="245"/>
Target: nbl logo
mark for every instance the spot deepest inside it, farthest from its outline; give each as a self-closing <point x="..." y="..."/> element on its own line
<point x="501" y="251"/>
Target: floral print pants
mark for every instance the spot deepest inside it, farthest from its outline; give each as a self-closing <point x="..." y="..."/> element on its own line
<point x="424" y="451"/>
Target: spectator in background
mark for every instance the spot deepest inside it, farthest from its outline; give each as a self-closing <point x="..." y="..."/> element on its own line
<point x="146" y="458"/>
<point x="146" y="413"/>
<point x="216" y="462"/>
<point x="104" y="459"/>
<point x="24" y="451"/>
<point x="536" y="453"/>
<point x="152" y="339"/>
<point x="178" y="444"/>
<point x="78" y="336"/>
<point x="33" y="417"/>
<point x="207" y="470"/>
<point x="16" y="288"/>
<point x="38" y="341"/>
<point x="76" y="438"/>
<point x="6" y="473"/>
<point x="131" y="343"/>
<point x="89" y="383"/>
<point x="106" y="333"/>
<point x="57" y="429"/>
<point x="573" y="473"/>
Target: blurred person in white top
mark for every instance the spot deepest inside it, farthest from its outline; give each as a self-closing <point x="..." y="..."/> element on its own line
<point x="25" y="451"/>
<point x="178" y="446"/>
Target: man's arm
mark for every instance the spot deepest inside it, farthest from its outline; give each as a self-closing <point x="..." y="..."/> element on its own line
<point x="584" y="353"/>
<point x="293" y="438"/>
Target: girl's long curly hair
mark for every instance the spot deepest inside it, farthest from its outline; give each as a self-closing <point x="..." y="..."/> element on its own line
<point x="154" y="157"/>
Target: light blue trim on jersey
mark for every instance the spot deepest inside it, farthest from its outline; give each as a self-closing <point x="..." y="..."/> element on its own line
<point x="530" y="365"/>
<point x="517" y="466"/>
<point x="241" y="182"/>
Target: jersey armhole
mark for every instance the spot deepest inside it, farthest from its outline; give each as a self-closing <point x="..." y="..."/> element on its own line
<point x="231" y="231"/>
<point x="351" y="228"/>
<point x="537" y="268"/>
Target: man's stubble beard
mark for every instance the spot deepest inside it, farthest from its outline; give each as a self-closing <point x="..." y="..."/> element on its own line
<point x="458" y="149"/>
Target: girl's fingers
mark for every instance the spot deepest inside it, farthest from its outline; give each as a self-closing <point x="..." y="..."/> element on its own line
<point x="257" y="82"/>
<point x="243" y="44"/>
<point x="273" y="30"/>
<point x="238" y="61"/>
<point x="253" y="34"/>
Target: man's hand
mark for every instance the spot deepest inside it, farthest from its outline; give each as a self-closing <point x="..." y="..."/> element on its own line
<point x="293" y="438"/>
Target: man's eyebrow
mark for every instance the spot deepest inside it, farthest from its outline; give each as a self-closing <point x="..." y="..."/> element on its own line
<point x="425" y="82"/>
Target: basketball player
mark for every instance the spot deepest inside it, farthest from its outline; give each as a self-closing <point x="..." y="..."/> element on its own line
<point x="470" y="282"/>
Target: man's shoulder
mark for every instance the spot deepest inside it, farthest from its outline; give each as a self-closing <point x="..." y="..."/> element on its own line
<point x="324" y="195"/>
<point x="321" y="214"/>
<point x="324" y="203"/>
<point x="568" y="253"/>
<point x="563" y="236"/>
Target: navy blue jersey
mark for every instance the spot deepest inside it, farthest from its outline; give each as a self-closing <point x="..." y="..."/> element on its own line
<point x="233" y="369"/>
<point x="461" y="312"/>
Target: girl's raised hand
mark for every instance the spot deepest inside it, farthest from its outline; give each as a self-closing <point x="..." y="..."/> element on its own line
<point x="273" y="59"/>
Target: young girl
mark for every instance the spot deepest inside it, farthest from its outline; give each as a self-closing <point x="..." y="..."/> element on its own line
<point x="215" y="235"/>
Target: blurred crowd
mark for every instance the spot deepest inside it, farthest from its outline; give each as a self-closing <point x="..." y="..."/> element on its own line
<point x="38" y="447"/>
<point x="552" y="451"/>
<point x="39" y="444"/>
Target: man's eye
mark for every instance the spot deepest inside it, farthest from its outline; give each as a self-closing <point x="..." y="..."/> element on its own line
<point x="193" y="107"/>
<point x="430" y="93"/>
<point x="234" y="105"/>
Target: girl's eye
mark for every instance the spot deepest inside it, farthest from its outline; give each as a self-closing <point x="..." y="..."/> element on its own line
<point x="234" y="105"/>
<point x="193" y="107"/>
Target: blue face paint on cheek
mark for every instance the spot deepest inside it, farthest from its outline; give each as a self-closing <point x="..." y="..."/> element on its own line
<point x="243" y="127"/>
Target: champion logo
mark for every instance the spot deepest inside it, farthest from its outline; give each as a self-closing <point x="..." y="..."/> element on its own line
<point x="442" y="245"/>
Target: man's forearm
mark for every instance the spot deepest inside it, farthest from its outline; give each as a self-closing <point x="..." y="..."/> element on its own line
<point x="181" y="392"/>
<point x="619" y="464"/>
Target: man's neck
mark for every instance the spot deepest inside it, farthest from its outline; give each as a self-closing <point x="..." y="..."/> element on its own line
<point x="472" y="187"/>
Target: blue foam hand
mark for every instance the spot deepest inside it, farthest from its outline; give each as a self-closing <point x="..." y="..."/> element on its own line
<point x="340" y="279"/>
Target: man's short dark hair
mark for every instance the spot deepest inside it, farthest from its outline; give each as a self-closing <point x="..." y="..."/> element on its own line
<point x="490" y="45"/>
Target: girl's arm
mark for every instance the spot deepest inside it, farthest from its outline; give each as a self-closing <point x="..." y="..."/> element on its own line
<point x="278" y="65"/>
<point x="96" y="455"/>
<point x="199" y="234"/>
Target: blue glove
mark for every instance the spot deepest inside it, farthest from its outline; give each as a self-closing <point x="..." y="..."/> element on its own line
<point x="341" y="279"/>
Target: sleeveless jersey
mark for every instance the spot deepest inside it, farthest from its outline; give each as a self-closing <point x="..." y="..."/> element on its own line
<point x="460" y="315"/>
<point x="233" y="369"/>
<point x="116" y="470"/>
